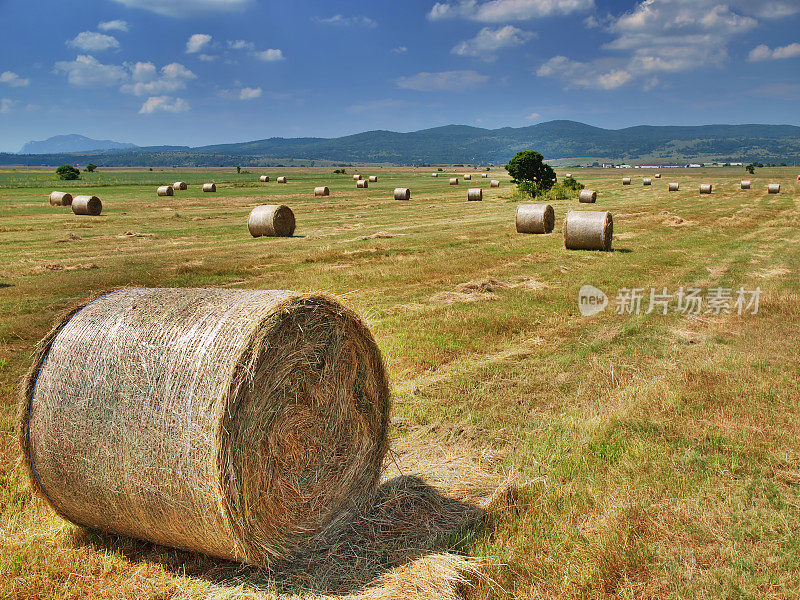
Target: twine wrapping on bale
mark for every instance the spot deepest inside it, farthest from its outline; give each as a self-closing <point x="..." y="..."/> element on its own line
<point x="774" y="188"/>
<point x="494" y="183"/>
<point x="674" y="186"/>
<point x="706" y="188"/>
<point x="535" y="218"/>
<point x="587" y="196"/>
<point x="179" y="185"/>
<point x="281" y="179"/>
<point x="322" y="191"/>
<point x="264" y="179"/>
<point x="474" y="194"/>
<point x="272" y="220"/>
<point x="647" y="181"/>
<point x="243" y="424"/>
<point x="402" y="194"/>
<point x="657" y="175"/>
<point x="434" y="174"/>
<point x="467" y="176"/>
<point x="60" y="198"/>
<point x="165" y="190"/>
<point x="87" y="205"/>
<point x="588" y="230"/>
<point x="373" y="178"/>
<point x="209" y="187"/>
<point x="745" y="184"/>
<point x="362" y="183"/>
<point x="454" y="181"/>
<point x="626" y="181"/>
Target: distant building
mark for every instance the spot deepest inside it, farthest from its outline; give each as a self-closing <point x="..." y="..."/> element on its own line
<point x="695" y="165"/>
<point x="608" y="166"/>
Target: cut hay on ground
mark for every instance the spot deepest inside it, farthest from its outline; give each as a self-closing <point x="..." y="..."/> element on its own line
<point x="87" y="205"/>
<point x="264" y="179"/>
<point x="706" y="188"/>
<point x="589" y="196"/>
<point x="209" y="187"/>
<point x="674" y="186"/>
<point x="454" y="181"/>
<point x="362" y="183"/>
<point x="588" y="230"/>
<point x="774" y="188"/>
<point x="626" y="181"/>
<point x="494" y="183"/>
<point x="474" y="194"/>
<point x="373" y="178"/>
<point x="179" y="185"/>
<point x="271" y="220"/>
<point x="165" y="190"/>
<point x="281" y="179"/>
<point x="535" y="218"/>
<point x="402" y="193"/>
<point x="243" y="424"/>
<point x="745" y="184"/>
<point x="322" y="191"/>
<point x="60" y="198"/>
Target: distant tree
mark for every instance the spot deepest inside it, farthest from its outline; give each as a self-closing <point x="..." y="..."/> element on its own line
<point x="91" y="167"/>
<point x="751" y="168"/>
<point x="238" y="170"/>
<point x="529" y="165"/>
<point x="570" y="183"/>
<point x="68" y="172"/>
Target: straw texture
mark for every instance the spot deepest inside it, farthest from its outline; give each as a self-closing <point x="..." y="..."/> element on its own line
<point x="271" y="220"/>
<point x="474" y="194"/>
<point x="209" y="187"/>
<point x="535" y="218"/>
<point x="87" y="205"/>
<point x="674" y="186"/>
<point x="373" y="178"/>
<point x="322" y="191"/>
<point x="243" y="424"/>
<point x="454" y="181"/>
<point x="179" y="185"/>
<point x="362" y="183"/>
<point x="774" y="188"/>
<point x="165" y="190"/>
<point x="745" y="184"/>
<point x="60" y="198"/>
<point x="588" y="230"/>
<point x="264" y="178"/>
<point x="706" y="188"/>
<point x="402" y="194"/>
<point x="626" y="181"/>
<point x="281" y="179"/>
<point x="587" y="196"/>
<point x="647" y="181"/>
<point x="494" y="183"/>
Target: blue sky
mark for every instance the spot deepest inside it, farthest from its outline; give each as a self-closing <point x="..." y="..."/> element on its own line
<point x="193" y="72"/>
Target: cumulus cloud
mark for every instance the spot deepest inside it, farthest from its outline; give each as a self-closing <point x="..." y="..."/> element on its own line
<point x="196" y="42"/>
<point x="186" y="8"/>
<point x="534" y="116"/>
<point x="248" y="93"/>
<point x="584" y="74"/>
<point x="240" y="45"/>
<point x="14" y="80"/>
<point x="115" y="25"/>
<point x="269" y="55"/>
<point x="146" y="80"/>
<point x="91" y="41"/>
<point x="6" y="104"/>
<point x="86" y="70"/>
<point x="488" y="41"/>
<point x="764" y="52"/>
<point x="400" y="50"/>
<point x="498" y="11"/>
<point x="156" y="104"/>
<point x="443" y="80"/>
<point x="344" y="21"/>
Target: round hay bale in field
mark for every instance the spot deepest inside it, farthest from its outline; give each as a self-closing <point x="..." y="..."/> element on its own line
<point x="243" y="424"/>
<point x="165" y="190"/>
<point x="356" y="177"/>
<point x="587" y="196"/>
<point x="745" y="184"/>
<point x="434" y="174"/>
<point x="494" y="183"/>
<point x="626" y="181"/>
<point x="657" y="175"/>
<point x="322" y="191"/>
<point x="467" y="176"/>
<point x="774" y="188"/>
<point x="179" y="185"/>
<point x="706" y="188"/>
<point x="535" y="218"/>
<point x="402" y="194"/>
<point x="647" y="181"/>
<point x="588" y="230"/>
<point x="373" y="179"/>
<point x="87" y="205"/>
<point x="272" y="220"/>
<point x="362" y="183"/>
<point x="474" y="194"/>
<point x="264" y="179"/>
<point x="209" y="187"/>
<point x="454" y="181"/>
<point x="567" y="174"/>
<point x="60" y="198"/>
<point x="281" y="179"/>
<point x="484" y="175"/>
<point x="674" y="186"/>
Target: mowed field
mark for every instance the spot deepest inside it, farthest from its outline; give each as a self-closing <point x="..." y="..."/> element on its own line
<point x="652" y="455"/>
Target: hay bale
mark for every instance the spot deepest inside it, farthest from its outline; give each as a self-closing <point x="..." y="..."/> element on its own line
<point x="467" y="176"/>
<point x="271" y="220"/>
<point x="474" y="194"/>
<point x="657" y="175"/>
<point x="87" y="205"/>
<point x="745" y="184"/>
<point x="774" y="188"/>
<point x="626" y="181"/>
<point x="567" y="175"/>
<point x="402" y="194"/>
<point x="587" y="196"/>
<point x="179" y="185"/>
<point x="60" y="198"/>
<point x="362" y="183"/>
<point x="281" y="179"/>
<point x="243" y="424"/>
<point x="674" y="186"/>
<point x="209" y="187"/>
<point x="535" y="218"/>
<point x="356" y="177"/>
<point x="454" y="181"/>
<point x="647" y="181"/>
<point x="165" y="190"/>
<point x="494" y="183"/>
<point x="706" y="188"/>
<point x="373" y="179"/>
<point x="588" y="230"/>
<point x="264" y="179"/>
<point x="434" y="174"/>
<point x="322" y="191"/>
<point x="484" y="175"/>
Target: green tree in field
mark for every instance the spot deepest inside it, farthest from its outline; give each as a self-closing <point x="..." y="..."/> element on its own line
<point x="68" y="172"/>
<point x="531" y="174"/>
<point x="238" y="170"/>
<point x="751" y="168"/>
<point x="91" y="167"/>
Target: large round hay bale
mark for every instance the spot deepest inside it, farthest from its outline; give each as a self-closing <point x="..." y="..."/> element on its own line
<point x="588" y="230"/>
<point x="209" y="187"/>
<point x="774" y="188"/>
<point x="674" y="186"/>
<point x="281" y="179"/>
<point x="179" y="185"/>
<point x="454" y="181"/>
<point x="657" y="175"/>
<point x="535" y="218"/>
<point x="165" y="190"/>
<point x="322" y="191"/>
<point x="467" y="176"/>
<point x="434" y="174"/>
<point x="356" y="177"/>
<point x="402" y="194"/>
<point x="362" y="183"/>
<point x="706" y="188"/>
<point x="626" y="181"/>
<point x="567" y="175"/>
<point x="474" y="194"/>
<point x="484" y="175"/>
<point x="494" y="183"/>
<point x="587" y="196"/>
<point x="745" y="184"/>
<point x="264" y="179"/>
<point x="87" y="205"/>
<point x="373" y="178"/>
<point x="243" y="424"/>
<point x="272" y="220"/>
<point x="60" y="198"/>
<point x="647" y="181"/>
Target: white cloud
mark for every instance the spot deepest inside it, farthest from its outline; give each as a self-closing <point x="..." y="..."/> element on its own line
<point x="498" y="11"/>
<point x="91" y="41"/>
<point x="207" y="57"/>
<point x="764" y="52"/>
<point x="341" y="20"/>
<point x="6" y="105"/>
<point x="147" y="81"/>
<point x="381" y="105"/>
<point x="767" y="9"/>
<point x="400" y="50"/>
<point x="14" y="80"/>
<point x="86" y="70"/>
<point x="534" y="116"/>
<point x="443" y="80"/>
<point x="270" y="55"/>
<point x="115" y="25"/>
<point x="248" y="93"/>
<point x="488" y="41"/>
<point x="241" y="45"/>
<point x="186" y="8"/>
<point x="196" y="42"/>
<point x="585" y="75"/>
<point x="163" y="104"/>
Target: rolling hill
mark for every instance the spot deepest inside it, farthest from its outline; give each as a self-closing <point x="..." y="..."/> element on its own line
<point x="73" y="142"/>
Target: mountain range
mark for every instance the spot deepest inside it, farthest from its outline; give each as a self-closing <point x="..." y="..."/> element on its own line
<point x="462" y="144"/>
<point x="61" y="144"/>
